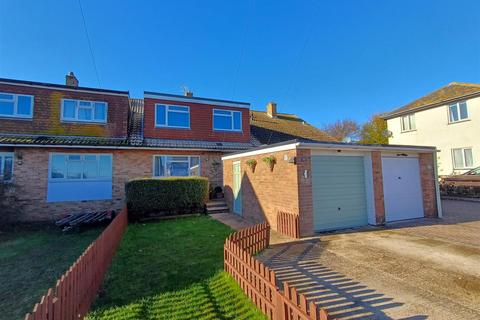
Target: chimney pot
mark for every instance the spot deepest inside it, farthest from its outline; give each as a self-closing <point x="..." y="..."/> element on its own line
<point x="272" y="109"/>
<point x="188" y="93"/>
<point x="71" y="80"/>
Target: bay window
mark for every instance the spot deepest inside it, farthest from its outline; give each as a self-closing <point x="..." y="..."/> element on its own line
<point x="176" y="166"/>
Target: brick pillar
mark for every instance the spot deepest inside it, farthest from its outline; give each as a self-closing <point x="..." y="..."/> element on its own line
<point x="305" y="193"/>
<point x="427" y="178"/>
<point x="378" y="187"/>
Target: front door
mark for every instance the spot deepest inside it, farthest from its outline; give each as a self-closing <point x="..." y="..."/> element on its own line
<point x="237" y="188"/>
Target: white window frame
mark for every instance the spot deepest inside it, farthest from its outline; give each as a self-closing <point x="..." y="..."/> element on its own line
<point x="457" y="107"/>
<point x="77" y="106"/>
<point x="231" y="121"/>
<point x="409" y="117"/>
<point x="177" y="155"/>
<point x="464" y="167"/>
<point x="2" y="165"/>
<point x="167" y="110"/>
<point x="82" y="155"/>
<point x="15" y="106"/>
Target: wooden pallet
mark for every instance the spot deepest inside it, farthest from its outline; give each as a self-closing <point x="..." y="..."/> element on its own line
<point x="77" y="220"/>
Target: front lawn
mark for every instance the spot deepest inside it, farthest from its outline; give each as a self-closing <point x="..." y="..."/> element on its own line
<point x="31" y="262"/>
<point x="172" y="270"/>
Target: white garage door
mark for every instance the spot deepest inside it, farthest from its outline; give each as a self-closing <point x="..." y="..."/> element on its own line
<point x="338" y="187"/>
<point x="402" y="189"/>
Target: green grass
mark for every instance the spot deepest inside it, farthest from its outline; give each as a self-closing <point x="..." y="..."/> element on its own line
<point x="172" y="270"/>
<point x="31" y="262"/>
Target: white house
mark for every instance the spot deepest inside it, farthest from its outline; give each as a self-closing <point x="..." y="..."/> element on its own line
<point x="449" y="119"/>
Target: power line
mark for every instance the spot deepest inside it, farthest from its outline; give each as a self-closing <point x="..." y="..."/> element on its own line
<point x="89" y="44"/>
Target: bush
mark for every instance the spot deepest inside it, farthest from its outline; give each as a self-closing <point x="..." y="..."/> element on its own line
<point x="166" y="196"/>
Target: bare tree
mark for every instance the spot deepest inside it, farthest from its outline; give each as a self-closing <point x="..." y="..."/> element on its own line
<point x="346" y="130"/>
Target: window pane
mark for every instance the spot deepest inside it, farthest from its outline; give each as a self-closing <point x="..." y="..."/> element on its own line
<point x="24" y="106"/>
<point x="222" y="112"/>
<point x="178" y="119"/>
<point x="237" y="121"/>
<point x="74" y="169"/>
<point x="194" y="166"/>
<point x="405" y="124"/>
<point x="105" y="166"/>
<point x="84" y="103"/>
<point x="222" y="123"/>
<point x="412" y="121"/>
<point x="468" y="158"/>
<point x="90" y="157"/>
<point x="159" y="168"/>
<point x="177" y="158"/>
<point x="178" y="108"/>
<point x="58" y="167"/>
<point x="90" y="170"/>
<point x="160" y="115"/>
<point x="100" y="111"/>
<point x="458" y="158"/>
<point x="177" y="169"/>
<point x="5" y="96"/>
<point x="453" y="113"/>
<point x="6" y="108"/>
<point x="74" y="157"/>
<point x="69" y="109"/>
<point x="7" y="168"/>
<point x="463" y="110"/>
<point x="85" y="114"/>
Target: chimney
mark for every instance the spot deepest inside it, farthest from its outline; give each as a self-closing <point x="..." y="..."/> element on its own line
<point x="188" y="93"/>
<point x="272" y="109"/>
<point x="71" y="80"/>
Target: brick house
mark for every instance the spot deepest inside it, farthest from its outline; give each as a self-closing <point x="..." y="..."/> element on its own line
<point x="66" y="148"/>
<point x="321" y="186"/>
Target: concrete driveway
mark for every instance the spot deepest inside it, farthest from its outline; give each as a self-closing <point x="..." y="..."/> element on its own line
<point x="424" y="269"/>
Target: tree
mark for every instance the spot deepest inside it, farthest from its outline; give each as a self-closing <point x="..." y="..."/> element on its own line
<point x="346" y="130"/>
<point x="375" y="131"/>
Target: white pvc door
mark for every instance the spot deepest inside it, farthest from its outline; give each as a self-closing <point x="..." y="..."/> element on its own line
<point x="402" y="188"/>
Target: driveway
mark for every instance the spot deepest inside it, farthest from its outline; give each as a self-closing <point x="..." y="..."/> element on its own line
<point x="423" y="269"/>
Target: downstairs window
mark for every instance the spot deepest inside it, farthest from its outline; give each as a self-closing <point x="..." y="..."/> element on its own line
<point x="176" y="166"/>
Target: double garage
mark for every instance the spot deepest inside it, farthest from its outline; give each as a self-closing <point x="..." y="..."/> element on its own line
<point x="331" y="186"/>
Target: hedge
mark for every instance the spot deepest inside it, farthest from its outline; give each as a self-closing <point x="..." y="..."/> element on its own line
<point x="166" y="196"/>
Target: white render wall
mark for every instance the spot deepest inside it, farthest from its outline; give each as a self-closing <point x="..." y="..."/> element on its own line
<point x="433" y="129"/>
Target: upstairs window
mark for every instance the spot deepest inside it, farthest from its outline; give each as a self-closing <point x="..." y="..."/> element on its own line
<point x="462" y="158"/>
<point x="84" y="111"/>
<point x="457" y="112"/>
<point x="227" y="120"/>
<point x="408" y="123"/>
<point x="176" y="166"/>
<point x="6" y="166"/>
<point x="80" y="167"/>
<point x="16" y="105"/>
<point x="172" y="116"/>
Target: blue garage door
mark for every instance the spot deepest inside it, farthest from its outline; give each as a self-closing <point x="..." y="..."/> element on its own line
<point x="339" y="198"/>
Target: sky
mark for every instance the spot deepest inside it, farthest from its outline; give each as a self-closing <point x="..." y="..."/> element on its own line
<point x="321" y="60"/>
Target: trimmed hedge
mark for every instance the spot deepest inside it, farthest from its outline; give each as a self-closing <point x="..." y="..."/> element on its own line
<point x="148" y="197"/>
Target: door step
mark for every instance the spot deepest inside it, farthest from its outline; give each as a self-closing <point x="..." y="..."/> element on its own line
<point x="217" y="206"/>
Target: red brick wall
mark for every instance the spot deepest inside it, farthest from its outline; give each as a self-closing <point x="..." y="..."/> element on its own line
<point x="378" y="187"/>
<point x="265" y="192"/>
<point x="304" y="164"/>
<point x="201" y="123"/>
<point x="31" y="179"/>
<point x="427" y="178"/>
<point x="47" y="108"/>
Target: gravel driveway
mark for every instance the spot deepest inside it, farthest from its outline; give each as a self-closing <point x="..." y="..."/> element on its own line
<point x="425" y="269"/>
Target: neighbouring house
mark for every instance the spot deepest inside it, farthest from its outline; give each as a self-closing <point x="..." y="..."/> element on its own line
<point x="331" y="185"/>
<point x="448" y="118"/>
<point x="67" y="149"/>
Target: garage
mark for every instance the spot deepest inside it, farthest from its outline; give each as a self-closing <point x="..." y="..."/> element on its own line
<point x="402" y="188"/>
<point x="338" y="188"/>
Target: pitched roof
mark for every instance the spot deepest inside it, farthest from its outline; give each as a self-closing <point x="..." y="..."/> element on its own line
<point x="115" y="143"/>
<point x="283" y="127"/>
<point x="449" y="93"/>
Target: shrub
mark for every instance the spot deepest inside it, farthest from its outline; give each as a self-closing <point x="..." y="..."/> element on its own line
<point x="165" y="196"/>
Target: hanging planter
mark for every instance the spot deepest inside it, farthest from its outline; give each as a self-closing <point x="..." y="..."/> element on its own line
<point x="270" y="161"/>
<point x="252" y="163"/>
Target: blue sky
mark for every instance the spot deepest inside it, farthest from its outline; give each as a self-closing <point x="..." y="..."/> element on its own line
<point x="322" y="60"/>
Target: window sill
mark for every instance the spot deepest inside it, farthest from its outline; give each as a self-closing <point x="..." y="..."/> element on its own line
<point x="232" y="131"/>
<point x="3" y="117"/>
<point x="459" y="121"/>
<point x="168" y="127"/>
<point x="407" y="131"/>
<point x="83" y="122"/>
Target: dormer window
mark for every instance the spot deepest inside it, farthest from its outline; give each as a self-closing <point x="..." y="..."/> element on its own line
<point x="172" y="116"/>
<point x="227" y="120"/>
<point x="16" y="105"/>
<point x="84" y="111"/>
<point x="408" y="122"/>
<point x="457" y="112"/>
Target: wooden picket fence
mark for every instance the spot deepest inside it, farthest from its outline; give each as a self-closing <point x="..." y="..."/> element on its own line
<point x="288" y="224"/>
<point x="77" y="288"/>
<point x="260" y="283"/>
